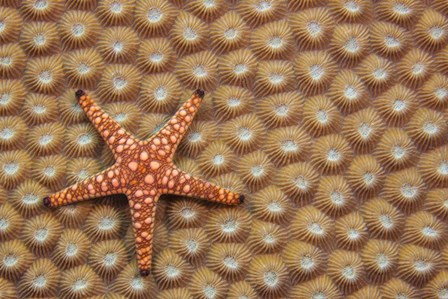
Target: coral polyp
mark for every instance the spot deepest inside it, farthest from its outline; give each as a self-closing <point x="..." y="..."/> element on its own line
<point x="12" y="133"/>
<point x="207" y="11"/>
<point x="433" y="167"/>
<point x="348" y="92"/>
<point x="320" y="116"/>
<point x="351" y="232"/>
<point x="198" y="136"/>
<point x="427" y="128"/>
<point x="366" y="176"/>
<point x="159" y="93"/>
<point x="312" y="27"/>
<point x="257" y="12"/>
<point x="303" y="260"/>
<point x="400" y="12"/>
<point x="115" y="12"/>
<point x="436" y="203"/>
<point x="78" y="29"/>
<point x="267" y="237"/>
<point x="12" y="23"/>
<point x="119" y="82"/>
<point x="13" y="165"/>
<point x="40" y="280"/>
<point x="232" y="101"/>
<point x="39" y="38"/>
<point x="170" y="270"/>
<point x="331" y="154"/>
<point x="199" y="69"/>
<point x="188" y="34"/>
<point x="10" y="222"/>
<point x="268" y="275"/>
<point x="25" y="198"/>
<point x="363" y="130"/>
<point x="389" y="40"/>
<point x="414" y="68"/>
<point x="272" y="41"/>
<point x="287" y="145"/>
<point x="380" y="257"/>
<point x="349" y="44"/>
<point x="383" y="220"/>
<point x="395" y="150"/>
<point x="405" y="189"/>
<point x="228" y="32"/>
<point x="417" y="265"/>
<point x="274" y="76"/>
<point x="298" y="181"/>
<point x="41" y="233"/>
<point x="205" y="282"/>
<point x="238" y="68"/>
<point x="118" y="45"/>
<point x="44" y="75"/>
<point x="334" y="196"/>
<point x="255" y="170"/>
<point x="71" y="249"/>
<point x="14" y="259"/>
<point x="321" y="285"/>
<point x="232" y="225"/>
<point x="314" y="227"/>
<point x="423" y="229"/>
<point x="155" y="55"/>
<point x="353" y="11"/>
<point x="434" y="93"/>
<point x="12" y="94"/>
<point x="347" y="270"/>
<point x="191" y="244"/>
<point x="152" y="17"/>
<point x="81" y="282"/>
<point x="281" y="109"/>
<point x="397" y="287"/>
<point x="272" y="205"/>
<point x="243" y="133"/>
<point x="431" y="31"/>
<point x="376" y="72"/>
<point x="315" y="70"/>
<point x="230" y="260"/>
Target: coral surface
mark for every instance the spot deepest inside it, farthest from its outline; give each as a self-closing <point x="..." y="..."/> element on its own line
<point x="329" y="115"/>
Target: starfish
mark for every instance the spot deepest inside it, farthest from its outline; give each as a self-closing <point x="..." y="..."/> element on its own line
<point x="143" y="171"/>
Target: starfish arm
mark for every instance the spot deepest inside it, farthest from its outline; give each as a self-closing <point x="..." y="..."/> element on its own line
<point x="115" y="136"/>
<point x="178" y="182"/>
<point x="104" y="183"/>
<point x="143" y="211"/>
<point x="170" y="135"/>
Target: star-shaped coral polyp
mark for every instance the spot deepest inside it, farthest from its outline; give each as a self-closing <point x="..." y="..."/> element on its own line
<point x="143" y="171"/>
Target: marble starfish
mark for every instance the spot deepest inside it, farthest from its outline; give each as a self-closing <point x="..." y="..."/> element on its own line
<point x="143" y="171"/>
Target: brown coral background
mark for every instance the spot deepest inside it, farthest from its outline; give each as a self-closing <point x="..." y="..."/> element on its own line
<point x="329" y="115"/>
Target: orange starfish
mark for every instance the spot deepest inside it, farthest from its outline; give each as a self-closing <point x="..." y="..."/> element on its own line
<point x="143" y="171"/>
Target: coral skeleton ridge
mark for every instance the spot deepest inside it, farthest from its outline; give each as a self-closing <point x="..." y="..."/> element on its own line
<point x="143" y="171"/>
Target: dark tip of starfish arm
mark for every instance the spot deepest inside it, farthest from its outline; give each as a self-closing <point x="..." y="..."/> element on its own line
<point x="47" y="202"/>
<point x="79" y="93"/>
<point x="144" y="272"/>
<point x="242" y="198"/>
<point x="200" y="93"/>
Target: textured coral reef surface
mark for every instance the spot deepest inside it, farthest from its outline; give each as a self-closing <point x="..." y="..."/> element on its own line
<point x="329" y="114"/>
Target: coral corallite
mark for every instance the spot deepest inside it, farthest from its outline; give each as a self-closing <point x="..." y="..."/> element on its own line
<point x="330" y="116"/>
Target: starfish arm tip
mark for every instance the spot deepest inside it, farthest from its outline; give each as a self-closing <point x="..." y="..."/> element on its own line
<point x="46" y="201"/>
<point x="144" y="272"/>
<point x="200" y="93"/>
<point x="79" y="93"/>
<point x="242" y="198"/>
